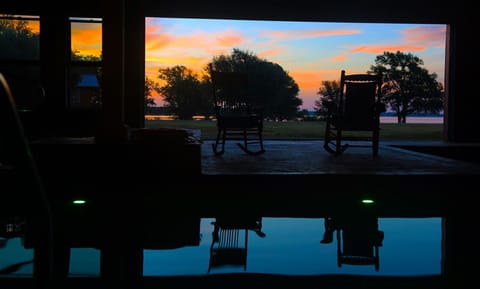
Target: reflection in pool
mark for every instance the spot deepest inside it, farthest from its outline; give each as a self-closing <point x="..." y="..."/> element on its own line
<point x="411" y="247"/>
<point x="291" y="246"/>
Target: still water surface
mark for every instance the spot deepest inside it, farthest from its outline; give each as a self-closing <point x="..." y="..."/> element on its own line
<point x="411" y="247"/>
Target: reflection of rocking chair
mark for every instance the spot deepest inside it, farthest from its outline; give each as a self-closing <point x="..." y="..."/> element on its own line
<point x="229" y="247"/>
<point x="230" y="241"/>
<point x="357" y="107"/>
<point x="356" y="247"/>
<point x="358" y="239"/>
<point x="237" y="117"/>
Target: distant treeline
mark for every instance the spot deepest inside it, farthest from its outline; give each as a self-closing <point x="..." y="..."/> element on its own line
<point x="156" y="110"/>
<point x="161" y="110"/>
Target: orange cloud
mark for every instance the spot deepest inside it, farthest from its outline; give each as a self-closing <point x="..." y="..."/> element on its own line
<point x="156" y="40"/>
<point x="229" y="40"/>
<point x="379" y="49"/>
<point x="414" y="39"/>
<point x="340" y="58"/>
<point x="270" y="53"/>
<point x="34" y="26"/>
<point x="426" y="35"/>
<point x="313" y="33"/>
<point x="87" y="38"/>
<point x="165" y="49"/>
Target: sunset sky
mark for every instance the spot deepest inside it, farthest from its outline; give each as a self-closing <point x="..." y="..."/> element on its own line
<point x="87" y="37"/>
<point x="309" y="51"/>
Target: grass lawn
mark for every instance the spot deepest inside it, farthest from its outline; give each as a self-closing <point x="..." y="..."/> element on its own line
<point x="308" y="129"/>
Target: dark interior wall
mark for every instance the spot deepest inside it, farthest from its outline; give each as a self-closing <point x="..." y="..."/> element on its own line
<point x="427" y="11"/>
<point x="461" y="101"/>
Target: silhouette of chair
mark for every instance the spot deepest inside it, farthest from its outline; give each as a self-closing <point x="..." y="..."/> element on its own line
<point x="238" y="117"/>
<point x="357" y="107"/>
<point x="229" y="247"/>
<point x="358" y="243"/>
<point x="358" y="239"/>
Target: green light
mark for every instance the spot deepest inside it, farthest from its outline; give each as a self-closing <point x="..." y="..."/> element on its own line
<point x="368" y="201"/>
<point x="79" y="202"/>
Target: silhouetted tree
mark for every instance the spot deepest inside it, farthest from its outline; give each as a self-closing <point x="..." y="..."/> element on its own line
<point x="150" y="86"/>
<point x="269" y="84"/>
<point x="303" y="112"/>
<point x="327" y="91"/>
<point x="18" y="41"/>
<point x="408" y="87"/>
<point x="76" y="56"/>
<point x="182" y="91"/>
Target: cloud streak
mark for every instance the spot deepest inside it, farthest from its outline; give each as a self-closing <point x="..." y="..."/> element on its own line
<point x="298" y="34"/>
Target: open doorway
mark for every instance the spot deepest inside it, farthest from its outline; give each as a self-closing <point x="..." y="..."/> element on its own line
<point x="311" y="53"/>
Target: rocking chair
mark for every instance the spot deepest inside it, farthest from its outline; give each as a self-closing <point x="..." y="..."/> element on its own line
<point x="357" y="107"/>
<point x="238" y="118"/>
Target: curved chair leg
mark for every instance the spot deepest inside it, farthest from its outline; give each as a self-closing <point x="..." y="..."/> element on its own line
<point x="250" y="152"/>
<point x="245" y="148"/>
<point x="327" y="145"/>
<point x="333" y="141"/>
<point x="217" y="142"/>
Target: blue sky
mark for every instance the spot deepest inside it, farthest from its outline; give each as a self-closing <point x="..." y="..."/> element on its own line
<point x="310" y="52"/>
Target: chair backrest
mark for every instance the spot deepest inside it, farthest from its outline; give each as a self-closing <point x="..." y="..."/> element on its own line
<point x="229" y="246"/>
<point x="358" y="242"/>
<point x="230" y="92"/>
<point x="358" y="99"/>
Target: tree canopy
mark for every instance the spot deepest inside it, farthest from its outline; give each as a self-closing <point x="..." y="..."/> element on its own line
<point x="150" y="86"/>
<point x="18" y="41"/>
<point x="327" y="91"/>
<point x="182" y="91"/>
<point x="269" y="84"/>
<point x="20" y="47"/>
<point x="187" y="94"/>
<point x="407" y="86"/>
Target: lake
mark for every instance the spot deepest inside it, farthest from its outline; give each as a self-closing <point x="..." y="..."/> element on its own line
<point x="413" y="119"/>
